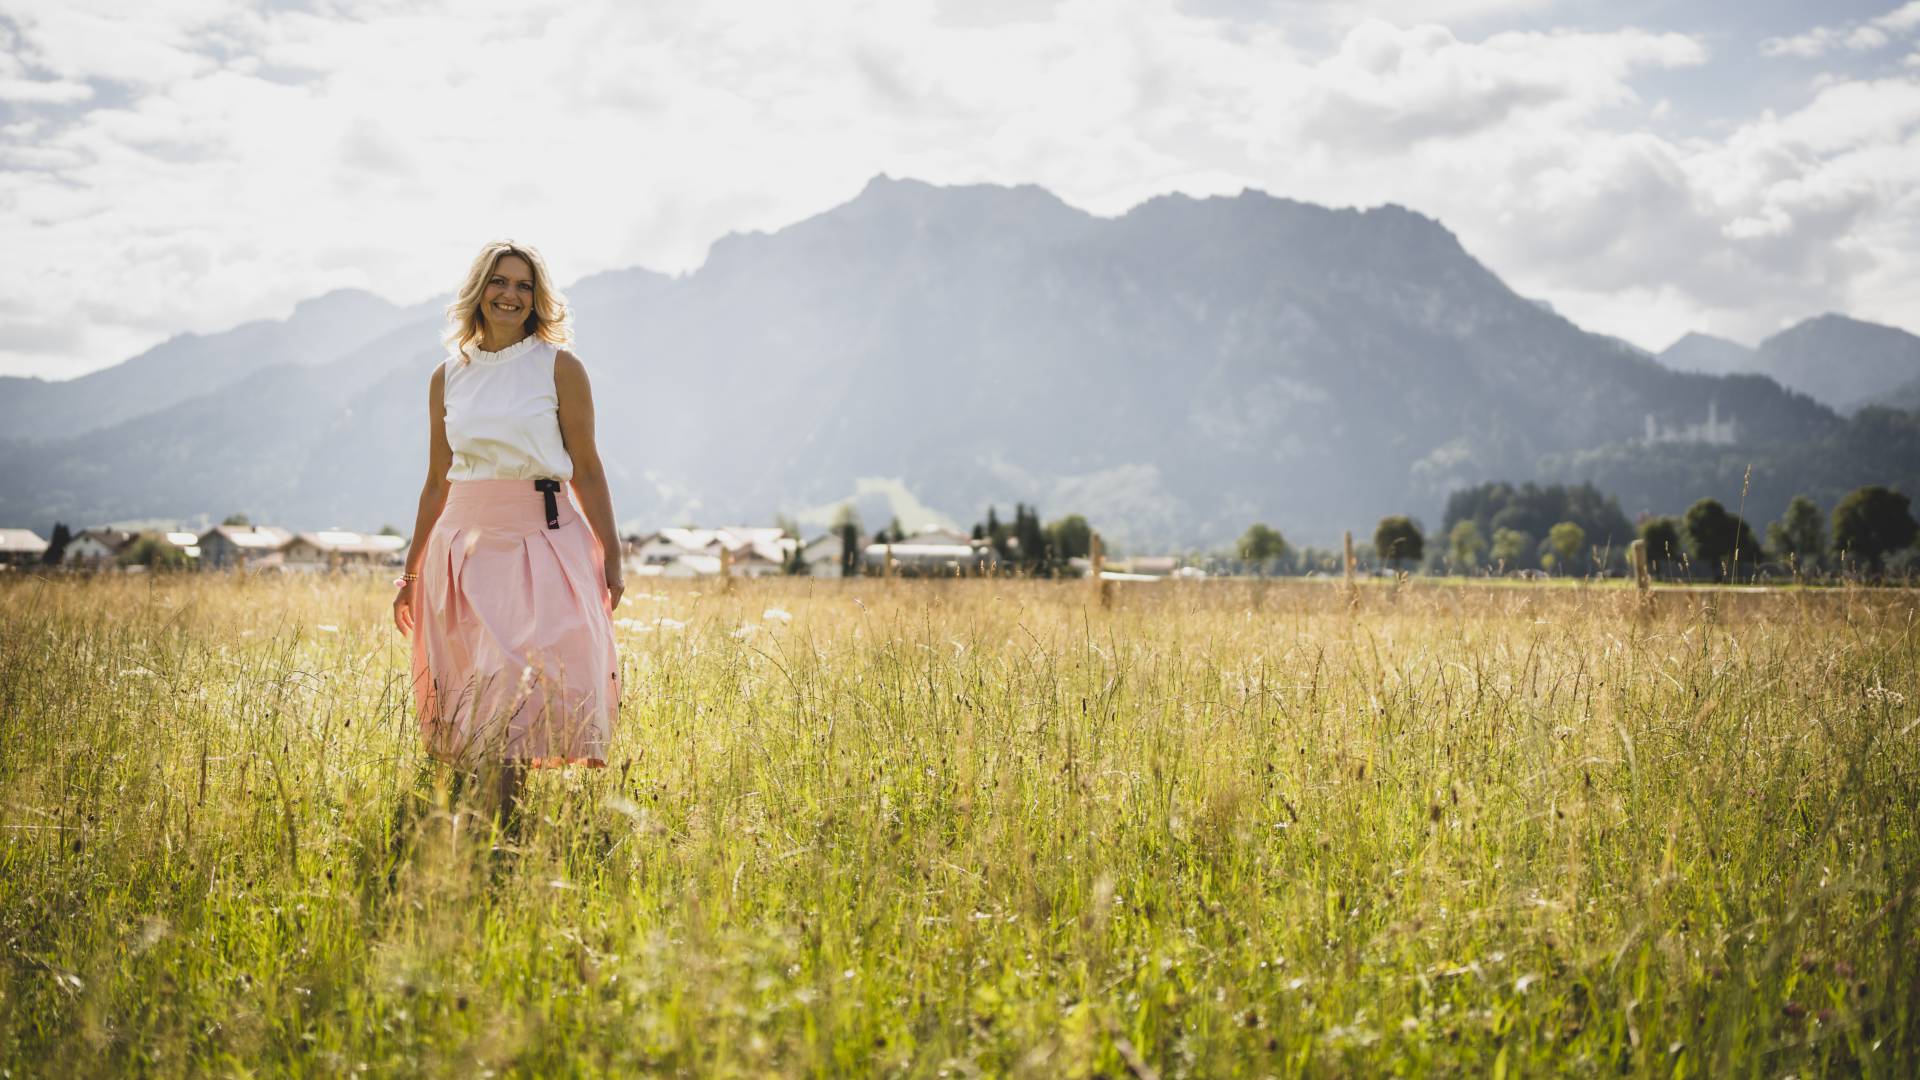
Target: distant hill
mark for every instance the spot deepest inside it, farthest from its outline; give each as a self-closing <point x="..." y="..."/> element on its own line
<point x="1174" y="373"/>
<point x="1843" y="363"/>
<point x="318" y="331"/>
<point x="1906" y="396"/>
<point x="1709" y="355"/>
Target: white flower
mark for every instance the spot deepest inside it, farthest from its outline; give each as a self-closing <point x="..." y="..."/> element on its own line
<point x="777" y="613"/>
<point x="327" y="628"/>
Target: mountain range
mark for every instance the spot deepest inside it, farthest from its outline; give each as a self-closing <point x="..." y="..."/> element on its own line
<point x="1843" y="363"/>
<point x="1174" y="373"/>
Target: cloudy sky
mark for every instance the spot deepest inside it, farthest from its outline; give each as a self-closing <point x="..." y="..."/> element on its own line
<point x="1647" y="167"/>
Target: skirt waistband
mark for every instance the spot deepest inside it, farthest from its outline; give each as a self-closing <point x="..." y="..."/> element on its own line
<point x="510" y="504"/>
<point x="468" y="490"/>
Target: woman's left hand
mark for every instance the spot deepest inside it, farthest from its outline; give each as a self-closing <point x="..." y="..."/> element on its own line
<point x="615" y="586"/>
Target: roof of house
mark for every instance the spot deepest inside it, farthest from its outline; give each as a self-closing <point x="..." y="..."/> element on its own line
<point x="22" y="540"/>
<point x="923" y="551"/>
<point x="351" y="543"/>
<point x="254" y="537"/>
<point x="700" y="564"/>
<point x="111" y="539"/>
<point x="734" y="538"/>
<point x="1153" y="564"/>
<point x="937" y="535"/>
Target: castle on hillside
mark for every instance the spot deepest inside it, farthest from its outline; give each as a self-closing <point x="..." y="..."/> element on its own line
<point x="1713" y="431"/>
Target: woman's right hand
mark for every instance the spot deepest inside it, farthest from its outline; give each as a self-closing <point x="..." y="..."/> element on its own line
<point x="403" y="607"/>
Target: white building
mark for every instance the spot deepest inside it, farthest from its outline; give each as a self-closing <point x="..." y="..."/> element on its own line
<point x="750" y="551"/>
<point x="338" y="549"/>
<point x="823" y="556"/>
<point x="915" y="559"/>
<point x="96" y="549"/>
<point x="1712" y="432"/>
<point x="242" y="545"/>
<point x="21" y="547"/>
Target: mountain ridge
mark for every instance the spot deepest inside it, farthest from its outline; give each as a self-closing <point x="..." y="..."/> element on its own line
<point x="1175" y="372"/>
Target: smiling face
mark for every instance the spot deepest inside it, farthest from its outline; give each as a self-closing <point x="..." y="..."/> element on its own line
<point x="507" y="301"/>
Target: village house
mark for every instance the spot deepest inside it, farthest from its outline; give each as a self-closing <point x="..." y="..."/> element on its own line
<point x="337" y="549"/>
<point x="916" y="559"/>
<point x="96" y="549"/>
<point x="822" y="556"/>
<point x="686" y="566"/>
<point x="21" y="547"/>
<point x="242" y="546"/>
<point x="936" y="534"/>
<point x="749" y="551"/>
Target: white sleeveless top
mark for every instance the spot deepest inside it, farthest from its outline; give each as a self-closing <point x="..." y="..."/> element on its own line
<point x="503" y="414"/>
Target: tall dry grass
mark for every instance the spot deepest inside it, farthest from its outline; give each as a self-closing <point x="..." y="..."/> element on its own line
<point x="976" y="827"/>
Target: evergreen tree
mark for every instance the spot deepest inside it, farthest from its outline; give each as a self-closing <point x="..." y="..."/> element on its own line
<point x="57" y="545"/>
<point x="1034" y="558"/>
<point x="999" y="535"/>
<point x="1535" y="510"/>
<point x="239" y="519"/>
<point x="849" y="548"/>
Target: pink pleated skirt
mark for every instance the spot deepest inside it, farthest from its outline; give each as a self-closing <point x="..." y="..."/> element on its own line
<point x="513" y="653"/>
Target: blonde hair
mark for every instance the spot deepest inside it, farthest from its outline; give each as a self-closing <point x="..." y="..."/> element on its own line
<point x="548" y="317"/>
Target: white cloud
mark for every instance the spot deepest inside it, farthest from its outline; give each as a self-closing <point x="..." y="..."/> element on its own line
<point x="48" y="91"/>
<point x="1902" y="20"/>
<point x="244" y="160"/>
<point x="1856" y="36"/>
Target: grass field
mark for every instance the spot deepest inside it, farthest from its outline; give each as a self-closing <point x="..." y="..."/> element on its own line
<point x="977" y="828"/>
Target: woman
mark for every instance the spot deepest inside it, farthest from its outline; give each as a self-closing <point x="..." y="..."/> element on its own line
<point x="509" y="592"/>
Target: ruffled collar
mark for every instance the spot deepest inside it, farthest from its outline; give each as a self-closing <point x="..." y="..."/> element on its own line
<point x="519" y="348"/>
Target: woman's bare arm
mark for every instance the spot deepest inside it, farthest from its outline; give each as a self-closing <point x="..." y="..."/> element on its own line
<point x="433" y="495"/>
<point x="589" y="476"/>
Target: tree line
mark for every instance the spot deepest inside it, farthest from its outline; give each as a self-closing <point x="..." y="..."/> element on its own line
<point x="1577" y="530"/>
<point x="1021" y="546"/>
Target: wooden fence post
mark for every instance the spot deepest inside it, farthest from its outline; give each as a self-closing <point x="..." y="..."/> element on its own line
<point x="1102" y="588"/>
<point x="1353" y="592"/>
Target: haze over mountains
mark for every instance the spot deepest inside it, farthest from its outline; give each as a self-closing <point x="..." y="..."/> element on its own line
<point x="1843" y="363"/>
<point x="1175" y="374"/>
